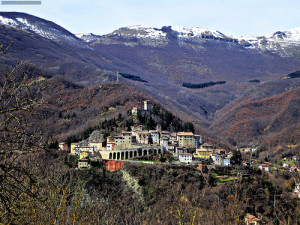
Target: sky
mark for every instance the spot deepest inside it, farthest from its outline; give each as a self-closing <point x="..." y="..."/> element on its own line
<point x="231" y="17"/>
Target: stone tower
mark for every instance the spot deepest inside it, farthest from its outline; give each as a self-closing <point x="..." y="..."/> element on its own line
<point x="147" y="105"/>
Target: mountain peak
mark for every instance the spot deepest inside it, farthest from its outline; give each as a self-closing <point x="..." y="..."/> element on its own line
<point x="141" y="31"/>
<point x="42" y="27"/>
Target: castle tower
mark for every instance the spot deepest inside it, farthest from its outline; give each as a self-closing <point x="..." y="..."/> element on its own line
<point x="147" y="105"/>
<point x="135" y="111"/>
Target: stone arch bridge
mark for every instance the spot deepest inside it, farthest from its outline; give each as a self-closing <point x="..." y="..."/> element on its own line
<point x="130" y="153"/>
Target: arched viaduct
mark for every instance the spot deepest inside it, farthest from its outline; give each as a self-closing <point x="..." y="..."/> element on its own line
<point x="130" y="153"/>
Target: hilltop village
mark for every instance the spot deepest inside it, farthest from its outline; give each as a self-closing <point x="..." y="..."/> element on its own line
<point x="139" y="143"/>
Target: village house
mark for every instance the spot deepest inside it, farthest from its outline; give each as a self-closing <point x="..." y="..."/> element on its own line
<point x="165" y="134"/>
<point x="85" y="155"/>
<point x="164" y="141"/>
<point x="217" y="159"/>
<point x="226" y="161"/>
<point x="83" y="163"/>
<point x="198" y="141"/>
<point x="63" y="146"/>
<point x="297" y="190"/>
<point x="285" y="165"/>
<point x="110" y="146"/>
<point x="73" y="146"/>
<point x="119" y="142"/>
<point x="179" y="150"/>
<point x="127" y="139"/>
<point x="202" y="153"/>
<point x="155" y="135"/>
<point x="293" y="168"/>
<point x="185" y="157"/>
<point x="98" y="145"/>
<point x="137" y="128"/>
<point x="252" y="220"/>
<point x="76" y="149"/>
<point x="220" y="160"/>
<point x="173" y="137"/>
<point x="265" y="167"/>
<point x="80" y="149"/>
<point x="186" y="139"/>
<point x="142" y="137"/>
<point x="170" y="148"/>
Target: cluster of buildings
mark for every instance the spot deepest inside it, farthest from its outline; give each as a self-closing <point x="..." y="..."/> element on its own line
<point x="218" y="157"/>
<point x="287" y="165"/>
<point x="186" y="146"/>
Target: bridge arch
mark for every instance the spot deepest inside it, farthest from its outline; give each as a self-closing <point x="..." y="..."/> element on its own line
<point x="145" y="152"/>
<point x="140" y="151"/>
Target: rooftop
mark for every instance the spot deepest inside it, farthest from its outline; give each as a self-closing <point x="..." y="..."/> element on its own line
<point x="83" y="160"/>
<point x="186" y="154"/>
<point x="185" y="134"/>
<point x="143" y="132"/>
<point x="152" y="131"/>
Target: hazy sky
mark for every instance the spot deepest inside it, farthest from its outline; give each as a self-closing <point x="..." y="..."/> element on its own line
<point x="231" y="17"/>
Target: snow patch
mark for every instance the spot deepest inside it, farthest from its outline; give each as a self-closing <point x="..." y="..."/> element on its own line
<point x="196" y="32"/>
<point x="7" y="21"/>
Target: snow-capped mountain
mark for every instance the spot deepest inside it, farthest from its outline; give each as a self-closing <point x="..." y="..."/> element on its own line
<point x="281" y="42"/>
<point x="157" y="33"/>
<point x="44" y="28"/>
<point x="89" y="37"/>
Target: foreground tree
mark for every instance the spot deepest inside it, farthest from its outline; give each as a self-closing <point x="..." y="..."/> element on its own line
<point x="20" y="99"/>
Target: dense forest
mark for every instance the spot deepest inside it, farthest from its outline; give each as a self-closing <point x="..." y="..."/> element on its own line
<point x="132" y="77"/>
<point x="295" y="74"/>
<point x="202" y="85"/>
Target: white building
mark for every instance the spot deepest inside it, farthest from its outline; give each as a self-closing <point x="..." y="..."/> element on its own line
<point x="199" y="140"/>
<point x="185" y="157"/>
<point x="226" y="161"/>
<point x="297" y="190"/>
<point x="265" y="167"/>
<point x="80" y="149"/>
<point x="110" y="146"/>
<point x="155" y="136"/>
<point x="164" y="142"/>
<point x="217" y="159"/>
<point x="220" y="160"/>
